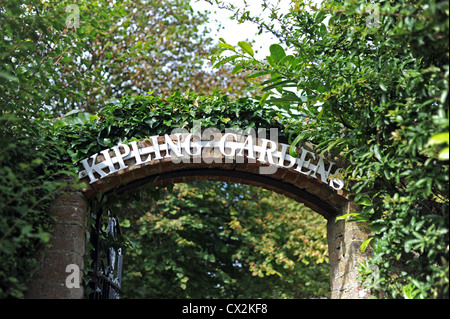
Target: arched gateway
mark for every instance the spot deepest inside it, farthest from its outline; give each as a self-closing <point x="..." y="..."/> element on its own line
<point x="229" y="156"/>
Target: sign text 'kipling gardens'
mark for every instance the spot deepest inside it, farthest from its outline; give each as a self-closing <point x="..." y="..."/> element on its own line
<point x="211" y="146"/>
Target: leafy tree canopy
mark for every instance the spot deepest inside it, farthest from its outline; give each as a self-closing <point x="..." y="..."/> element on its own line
<point x="218" y="240"/>
<point x="49" y="67"/>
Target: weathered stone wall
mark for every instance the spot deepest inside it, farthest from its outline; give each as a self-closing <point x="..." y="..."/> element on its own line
<point x="344" y="242"/>
<point x="67" y="246"/>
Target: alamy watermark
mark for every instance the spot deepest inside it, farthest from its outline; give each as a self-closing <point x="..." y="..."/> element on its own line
<point x="73" y="280"/>
<point x="373" y="20"/>
<point x="73" y="19"/>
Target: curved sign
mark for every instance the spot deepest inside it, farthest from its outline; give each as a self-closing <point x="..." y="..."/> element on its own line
<point x="211" y="146"/>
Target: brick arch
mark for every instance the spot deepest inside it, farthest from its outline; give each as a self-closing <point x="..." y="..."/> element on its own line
<point x="311" y="189"/>
<point x="302" y="189"/>
<point x="120" y="169"/>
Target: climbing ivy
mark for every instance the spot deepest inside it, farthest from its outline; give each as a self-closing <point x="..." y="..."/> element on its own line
<point x="138" y="117"/>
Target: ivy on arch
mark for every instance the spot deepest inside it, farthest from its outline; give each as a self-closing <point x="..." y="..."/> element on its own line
<point x="137" y="117"/>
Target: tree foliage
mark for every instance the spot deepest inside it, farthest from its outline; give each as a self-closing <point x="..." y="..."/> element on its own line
<point x="218" y="240"/>
<point x="51" y="65"/>
<point x="27" y="185"/>
<point x="370" y="81"/>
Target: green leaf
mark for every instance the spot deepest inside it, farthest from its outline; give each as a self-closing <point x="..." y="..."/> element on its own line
<point x="277" y="52"/>
<point x="347" y="216"/>
<point x="72" y="112"/>
<point x="292" y="151"/>
<point x="410" y="291"/>
<point x="365" y="201"/>
<point x="246" y="47"/>
<point x="378" y="228"/>
<point x="319" y="116"/>
<point x="277" y="84"/>
<point x="439" y="138"/>
<point x="365" y="244"/>
<point x="225" y="60"/>
<point x="264" y="98"/>
<point x="8" y="77"/>
<point x="286" y="99"/>
<point x="376" y="150"/>
<point x="409" y="244"/>
<point x="443" y="155"/>
<point x="257" y="74"/>
<point x="237" y="69"/>
<point x="226" y="46"/>
<point x="26" y="229"/>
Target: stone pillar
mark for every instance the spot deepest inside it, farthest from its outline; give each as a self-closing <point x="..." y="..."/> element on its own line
<point x="67" y="247"/>
<point x="344" y="242"/>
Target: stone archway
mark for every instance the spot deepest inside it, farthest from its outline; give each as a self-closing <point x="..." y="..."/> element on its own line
<point x="182" y="157"/>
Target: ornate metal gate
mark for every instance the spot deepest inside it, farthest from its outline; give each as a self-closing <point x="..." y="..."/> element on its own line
<point x="106" y="281"/>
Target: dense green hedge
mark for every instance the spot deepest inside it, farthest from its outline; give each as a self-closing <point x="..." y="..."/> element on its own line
<point x="140" y="117"/>
<point x="29" y="166"/>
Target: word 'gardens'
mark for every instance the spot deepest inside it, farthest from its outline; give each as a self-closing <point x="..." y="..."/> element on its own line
<point x="212" y="146"/>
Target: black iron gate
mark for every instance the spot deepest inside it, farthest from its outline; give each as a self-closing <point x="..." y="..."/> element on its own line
<point x="106" y="280"/>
